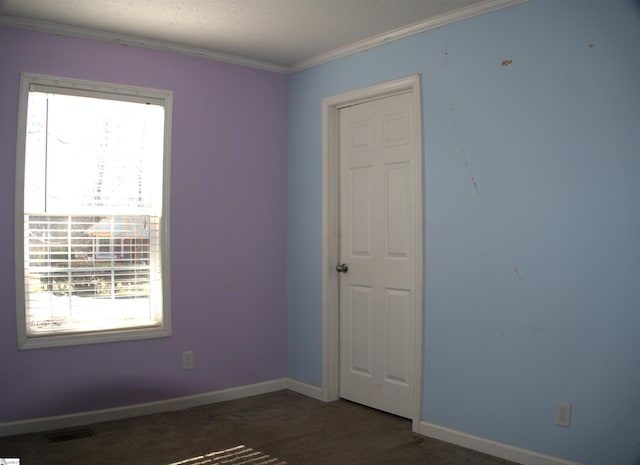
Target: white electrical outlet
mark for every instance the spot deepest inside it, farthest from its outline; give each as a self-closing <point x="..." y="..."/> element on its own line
<point x="187" y="360"/>
<point x="563" y="414"/>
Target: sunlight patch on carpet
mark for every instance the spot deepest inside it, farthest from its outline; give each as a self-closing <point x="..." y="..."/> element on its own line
<point x="239" y="455"/>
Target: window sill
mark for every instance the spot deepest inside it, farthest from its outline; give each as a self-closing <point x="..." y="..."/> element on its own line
<point x="63" y="340"/>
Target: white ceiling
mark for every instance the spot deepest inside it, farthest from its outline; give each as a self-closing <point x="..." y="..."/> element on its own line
<point x="284" y="33"/>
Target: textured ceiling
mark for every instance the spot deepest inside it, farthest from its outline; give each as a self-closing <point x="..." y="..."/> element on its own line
<point x="283" y="32"/>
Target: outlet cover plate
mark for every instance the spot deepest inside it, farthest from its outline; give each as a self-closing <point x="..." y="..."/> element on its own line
<point x="187" y="360"/>
<point x="563" y="414"/>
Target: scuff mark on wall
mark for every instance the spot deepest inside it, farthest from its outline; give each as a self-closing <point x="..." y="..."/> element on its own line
<point x="462" y="151"/>
<point x="506" y="62"/>
<point x="466" y="163"/>
<point x="517" y="272"/>
<point x="591" y="45"/>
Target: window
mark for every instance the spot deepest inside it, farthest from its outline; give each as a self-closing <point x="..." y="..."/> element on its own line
<point x="91" y="227"/>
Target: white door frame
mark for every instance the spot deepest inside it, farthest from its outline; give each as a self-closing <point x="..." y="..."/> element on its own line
<point x="330" y="232"/>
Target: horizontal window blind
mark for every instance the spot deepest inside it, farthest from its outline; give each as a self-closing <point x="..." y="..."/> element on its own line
<point x="88" y="273"/>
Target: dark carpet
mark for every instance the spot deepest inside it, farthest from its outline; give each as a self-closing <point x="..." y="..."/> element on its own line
<point x="269" y="429"/>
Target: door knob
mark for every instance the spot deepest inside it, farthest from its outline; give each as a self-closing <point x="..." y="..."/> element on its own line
<point x="342" y="268"/>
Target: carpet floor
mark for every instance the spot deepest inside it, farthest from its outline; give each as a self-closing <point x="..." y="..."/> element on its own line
<point x="269" y="429"/>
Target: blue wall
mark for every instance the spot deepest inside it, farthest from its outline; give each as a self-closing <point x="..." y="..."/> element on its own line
<point x="532" y="222"/>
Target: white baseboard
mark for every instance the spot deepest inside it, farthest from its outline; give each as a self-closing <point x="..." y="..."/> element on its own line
<point x="487" y="446"/>
<point x="85" y="418"/>
<point x="304" y="389"/>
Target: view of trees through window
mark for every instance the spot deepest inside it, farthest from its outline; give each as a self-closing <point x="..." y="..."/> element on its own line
<point x="92" y="207"/>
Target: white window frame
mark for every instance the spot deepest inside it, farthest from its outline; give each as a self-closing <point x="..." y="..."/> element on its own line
<point x="104" y="90"/>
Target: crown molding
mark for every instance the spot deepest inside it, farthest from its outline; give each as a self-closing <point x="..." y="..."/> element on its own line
<point x="432" y="23"/>
<point x="136" y="41"/>
<point x="477" y="9"/>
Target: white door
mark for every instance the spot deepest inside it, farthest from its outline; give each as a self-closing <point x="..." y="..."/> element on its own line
<point x="377" y="244"/>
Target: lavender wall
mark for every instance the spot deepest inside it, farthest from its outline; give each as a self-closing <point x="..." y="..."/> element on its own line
<point x="228" y="234"/>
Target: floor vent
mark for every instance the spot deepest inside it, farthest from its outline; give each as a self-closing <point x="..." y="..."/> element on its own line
<point x="70" y="435"/>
